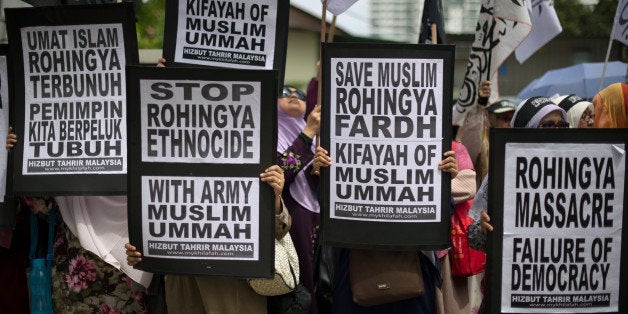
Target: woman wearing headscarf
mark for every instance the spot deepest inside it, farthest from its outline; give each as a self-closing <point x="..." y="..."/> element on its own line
<point x="534" y="112"/>
<point x="610" y="106"/>
<point x="295" y="150"/>
<point x="579" y="111"/>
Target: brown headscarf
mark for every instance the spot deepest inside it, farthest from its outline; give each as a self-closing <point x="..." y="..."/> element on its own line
<point x="610" y="106"/>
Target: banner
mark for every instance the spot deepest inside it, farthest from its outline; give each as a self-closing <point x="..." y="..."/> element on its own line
<point x="244" y="34"/>
<point x="620" y="23"/>
<point x="337" y="7"/>
<point x="558" y="200"/>
<point x="70" y="100"/>
<point x="502" y="25"/>
<point x="545" y="26"/>
<point x="388" y="127"/>
<point x="196" y="149"/>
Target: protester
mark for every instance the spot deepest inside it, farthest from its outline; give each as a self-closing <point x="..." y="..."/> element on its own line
<point x="342" y="294"/>
<point x="87" y="272"/>
<point x="535" y="112"/>
<point x="579" y="111"/>
<point x="204" y="294"/>
<point x="472" y="134"/>
<point x="610" y="106"/>
<point x="295" y="149"/>
<point x="500" y="113"/>
<point x="460" y="294"/>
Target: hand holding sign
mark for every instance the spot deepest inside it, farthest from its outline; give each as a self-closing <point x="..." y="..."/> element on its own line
<point x="132" y="255"/>
<point x="321" y="159"/>
<point x="313" y="124"/>
<point x="449" y="164"/>
<point x="485" y="224"/>
<point x="11" y="139"/>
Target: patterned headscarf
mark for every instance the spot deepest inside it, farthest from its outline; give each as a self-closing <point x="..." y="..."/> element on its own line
<point x="575" y="106"/>
<point x="610" y="106"/>
<point x="531" y="111"/>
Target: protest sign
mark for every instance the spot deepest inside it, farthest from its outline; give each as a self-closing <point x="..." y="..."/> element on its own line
<point x="7" y="217"/>
<point x="243" y="34"/>
<point x="387" y="123"/>
<point x="70" y="97"/>
<point x="196" y="149"/>
<point x="556" y="201"/>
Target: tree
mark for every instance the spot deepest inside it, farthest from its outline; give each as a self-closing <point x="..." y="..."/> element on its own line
<point x="581" y="21"/>
<point x="150" y="24"/>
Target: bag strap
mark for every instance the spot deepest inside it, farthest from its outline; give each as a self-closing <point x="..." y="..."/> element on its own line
<point x="35" y="235"/>
<point x="50" y="255"/>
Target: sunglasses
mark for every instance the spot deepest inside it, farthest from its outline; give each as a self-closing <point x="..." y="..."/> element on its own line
<point x="554" y="125"/>
<point x="286" y="92"/>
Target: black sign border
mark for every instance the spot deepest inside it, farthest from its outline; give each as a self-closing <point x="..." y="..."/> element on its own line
<point x="378" y="235"/>
<point x="8" y="206"/>
<point x="243" y="269"/>
<point x="17" y="18"/>
<point x="281" y="37"/>
<point x="498" y="139"/>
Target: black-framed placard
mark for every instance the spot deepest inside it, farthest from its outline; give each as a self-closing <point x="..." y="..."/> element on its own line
<point x="70" y="97"/>
<point x="556" y="201"/>
<point x="244" y="34"/>
<point x="198" y="140"/>
<point x="7" y="215"/>
<point x="386" y="124"/>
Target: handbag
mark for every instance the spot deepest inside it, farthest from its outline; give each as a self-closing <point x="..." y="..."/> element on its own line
<point x="379" y="277"/>
<point x="465" y="261"/>
<point x="296" y="301"/>
<point x="286" y="276"/>
<point x="324" y="277"/>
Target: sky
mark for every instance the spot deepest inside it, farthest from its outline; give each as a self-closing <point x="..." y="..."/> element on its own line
<point x="354" y="21"/>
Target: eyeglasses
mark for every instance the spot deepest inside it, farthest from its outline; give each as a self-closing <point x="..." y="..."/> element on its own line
<point x="287" y="93"/>
<point x="553" y="125"/>
<point x="585" y="117"/>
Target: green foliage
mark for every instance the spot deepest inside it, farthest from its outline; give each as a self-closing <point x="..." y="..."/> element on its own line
<point x="150" y="24"/>
<point x="583" y="21"/>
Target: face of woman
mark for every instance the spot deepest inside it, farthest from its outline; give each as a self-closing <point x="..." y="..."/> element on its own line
<point x="553" y="120"/>
<point x="292" y="102"/>
<point x="586" y="119"/>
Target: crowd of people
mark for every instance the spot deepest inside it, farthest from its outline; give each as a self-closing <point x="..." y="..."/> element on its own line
<point x="90" y="244"/>
<point x="92" y="267"/>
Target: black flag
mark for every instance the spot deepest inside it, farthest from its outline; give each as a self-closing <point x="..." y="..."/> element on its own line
<point x="432" y="14"/>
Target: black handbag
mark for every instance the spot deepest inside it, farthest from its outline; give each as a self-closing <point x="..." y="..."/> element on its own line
<point x="295" y="302"/>
<point x="324" y="277"/>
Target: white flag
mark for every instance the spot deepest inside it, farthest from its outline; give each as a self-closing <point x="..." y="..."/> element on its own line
<point x="620" y="25"/>
<point x="545" y="26"/>
<point x="501" y="27"/>
<point x="338" y="6"/>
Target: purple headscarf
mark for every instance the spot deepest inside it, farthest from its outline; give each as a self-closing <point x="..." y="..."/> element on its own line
<point x="288" y="129"/>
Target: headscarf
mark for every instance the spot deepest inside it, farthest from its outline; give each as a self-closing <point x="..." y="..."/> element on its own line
<point x="575" y="106"/>
<point x="610" y="106"/>
<point x="531" y="111"/>
<point x="288" y="129"/>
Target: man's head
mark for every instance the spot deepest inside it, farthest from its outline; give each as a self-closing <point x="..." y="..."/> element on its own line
<point x="500" y="113"/>
<point x="292" y="101"/>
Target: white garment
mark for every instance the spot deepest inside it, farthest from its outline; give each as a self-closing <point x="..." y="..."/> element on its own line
<point x="100" y="223"/>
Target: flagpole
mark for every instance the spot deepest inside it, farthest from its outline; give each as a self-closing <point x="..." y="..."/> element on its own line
<point x="332" y="30"/>
<point x="608" y="53"/>
<point x="319" y="74"/>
